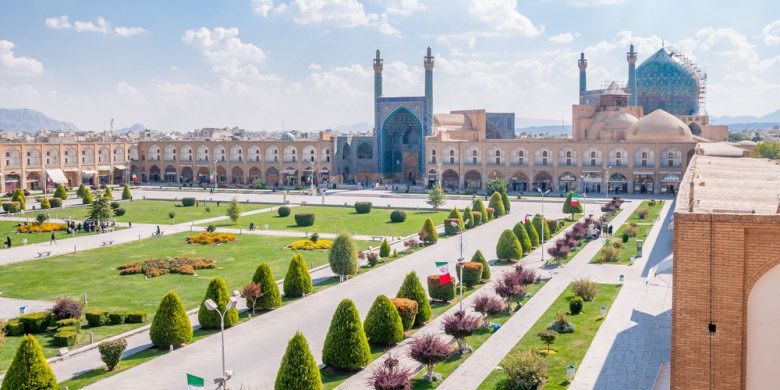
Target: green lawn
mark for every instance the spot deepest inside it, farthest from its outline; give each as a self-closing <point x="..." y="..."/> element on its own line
<point x="337" y="219"/>
<point x="570" y="348"/>
<point x="8" y="229"/>
<point x="652" y="215"/>
<point x="475" y="341"/>
<point x="93" y="272"/>
<point x="156" y="211"/>
<point x="643" y="226"/>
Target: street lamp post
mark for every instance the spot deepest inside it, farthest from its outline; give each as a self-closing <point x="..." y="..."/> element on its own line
<point x="212" y="306"/>
<point x="543" y="220"/>
<point x="461" y="261"/>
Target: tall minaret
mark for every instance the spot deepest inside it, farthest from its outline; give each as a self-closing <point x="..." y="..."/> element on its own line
<point x="428" y="62"/>
<point x="631" y="57"/>
<point x="378" y="66"/>
<point x="582" y="63"/>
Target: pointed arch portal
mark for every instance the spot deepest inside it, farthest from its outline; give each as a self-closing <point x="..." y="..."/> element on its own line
<point x="402" y="146"/>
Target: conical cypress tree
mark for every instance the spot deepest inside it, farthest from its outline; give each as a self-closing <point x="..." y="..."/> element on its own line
<point x="29" y="370"/>
<point x="299" y="370"/>
<point x="541" y="227"/>
<point x="532" y="234"/>
<point x="217" y="292"/>
<point x="271" y="298"/>
<point x="505" y="200"/>
<point x="508" y="247"/>
<point x="126" y="192"/>
<point x="297" y="281"/>
<point x="45" y="203"/>
<point x="108" y="194"/>
<point x="522" y="235"/>
<point x="431" y="236"/>
<point x="18" y="196"/>
<point x="480" y="258"/>
<point x="61" y="192"/>
<point x="452" y="230"/>
<point x="413" y="289"/>
<point x="383" y="324"/>
<point x="87" y="198"/>
<point x="569" y="208"/>
<point x="479" y="206"/>
<point x="343" y="256"/>
<point x="346" y="346"/>
<point x="497" y="204"/>
<point x="467" y="216"/>
<point x="80" y="190"/>
<point x="171" y="325"/>
<point x="384" y="249"/>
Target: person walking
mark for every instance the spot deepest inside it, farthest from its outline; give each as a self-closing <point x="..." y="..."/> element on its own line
<point x="53" y="239"/>
<point x="8" y="242"/>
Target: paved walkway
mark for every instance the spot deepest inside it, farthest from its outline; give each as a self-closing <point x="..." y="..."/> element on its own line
<point x="254" y="349"/>
<point x="9" y="307"/>
<point x="481" y="363"/>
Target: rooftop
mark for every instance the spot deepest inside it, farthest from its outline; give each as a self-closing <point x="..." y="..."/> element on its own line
<point x="730" y="185"/>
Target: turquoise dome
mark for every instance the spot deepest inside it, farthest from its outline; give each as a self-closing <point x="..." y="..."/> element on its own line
<point x="665" y="82"/>
<point x="287" y="136"/>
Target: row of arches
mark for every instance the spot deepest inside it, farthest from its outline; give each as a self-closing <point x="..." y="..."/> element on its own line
<point x="237" y="153"/>
<point x="13" y="158"/>
<point x="271" y="176"/>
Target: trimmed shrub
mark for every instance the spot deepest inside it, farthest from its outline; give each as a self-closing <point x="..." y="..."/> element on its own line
<point x="343" y="256"/>
<point x="561" y="324"/>
<point x="575" y="305"/>
<point x="398" y="216"/>
<point x="117" y="317"/>
<point x="126" y="195"/>
<point x="441" y="292"/>
<point x="45" y="203"/>
<point x="488" y="305"/>
<point x="472" y="273"/>
<point x="525" y="370"/>
<point x="468" y="216"/>
<point x="541" y="227"/>
<point x="480" y="258"/>
<point x="111" y="352"/>
<point x="412" y="289"/>
<point x="217" y="292"/>
<point x="283" y="211"/>
<point x="624" y="237"/>
<point x="60" y="192"/>
<point x="506" y="202"/>
<point x="299" y="370"/>
<point x="407" y="309"/>
<point x="522" y="235"/>
<point x="508" y="247"/>
<point x="108" y="194"/>
<point x="384" y="249"/>
<point x="271" y="298"/>
<point x="75" y="323"/>
<point x="65" y="337"/>
<point x="363" y="207"/>
<point x="454" y="228"/>
<point x="585" y="289"/>
<point x="346" y="346"/>
<point x="171" y="324"/>
<point x="35" y="322"/>
<point x="430" y="232"/>
<point x="497" y="204"/>
<point x="114" y="205"/>
<point x="19" y="197"/>
<point x="55" y="202"/>
<point x="429" y="350"/>
<point x="11" y="207"/>
<point x="490" y="213"/>
<point x="87" y="198"/>
<point x="297" y="281"/>
<point x="120" y="211"/>
<point x="477" y="218"/>
<point x="533" y="234"/>
<point x="460" y="325"/>
<point x="478" y="206"/>
<point x="29" y="369"/>
<point x="304" y="219"/>
<point x="135" y="317"/>
<point x="67" y="307"/>
<point x="14" y="328"/>
<point x="188" y="202"/>
<point x="391" y="376"/>
<point x="569" y="208"/>
<point x="383" y="324"/>
<point x="80" y="191"/>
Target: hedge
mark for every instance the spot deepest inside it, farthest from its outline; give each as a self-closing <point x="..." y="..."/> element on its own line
<point x="35" y="322"/>
<point x="188" y="202"/>
<point x="171" y="324"/>
<point x="299" y="370"/>
<point x="346" y="346"/>
<point x="96" y="317"/>
<point x="407" y="309"/>
<point x="271" y="298"/>
<point x="304" y="219"/>
<point x="297" y="281"/>
<point x="65" y="338"/>
<point x="11" y="207"/>
<point x="383" y="324"/>
<point x="14" y="328"/>
<point x="472" y="273"/>
<point x="413" y="289"/>
<point x="480" y="258"/>
<point x="74" y="322"/>
<point x="283" y="211"/>
<point x="135" y="317"/>
<point x="398" y="216"/>
<point x="29" y="369"/>
<point x="363" y="207"/>
<point x="55" y="202"/>
<point x="120" y="211"/>
<point x="441" y="292"/>
<point x="117" y="318"/>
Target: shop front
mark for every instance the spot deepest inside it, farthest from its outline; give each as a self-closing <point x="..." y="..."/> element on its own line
<point x="644" y="182"/>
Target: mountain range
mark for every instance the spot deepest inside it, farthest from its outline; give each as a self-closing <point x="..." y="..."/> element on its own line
<point x="25" y="119"/>
<point x="772" y="117"/>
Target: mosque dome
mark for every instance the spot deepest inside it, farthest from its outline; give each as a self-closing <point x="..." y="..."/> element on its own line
<point x="622" y="121"/>
<point x="669" y="82"/>
<point x="287" y="136"/>
<point x="660" y="125"/>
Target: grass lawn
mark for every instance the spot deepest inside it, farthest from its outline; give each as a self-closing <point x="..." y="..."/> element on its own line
<point x="569" y="348"/>
<point x="156" y="211"/>
<point x="94" y="272"/>
<point x="475" y="341"/>
<point x="337" y="219"/>
<point x="628" y="249"/>
<point x="652" y="215"/>
<point x="8" y="229"/>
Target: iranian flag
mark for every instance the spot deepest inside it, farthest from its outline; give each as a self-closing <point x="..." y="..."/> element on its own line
<point x="195" y="382"/>
<point x="444" y="272"/>
<point x="526" y="218"/>
<point x="575" y="200"/>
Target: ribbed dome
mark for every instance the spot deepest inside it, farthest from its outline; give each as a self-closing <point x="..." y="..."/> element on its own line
<point x="660" y="125"/>
<point x="622" y="121"/>
<point x="665" y="82"/>
<point x="287" y="136"/>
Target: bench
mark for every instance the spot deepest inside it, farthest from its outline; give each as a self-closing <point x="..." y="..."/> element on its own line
<point x="377" y="238"/>
<point x="44" y="254"/>
<point x="110" y="242"/>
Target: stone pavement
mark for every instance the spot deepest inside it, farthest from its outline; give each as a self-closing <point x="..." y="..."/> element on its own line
<point x="9" y="307"/>
<point x="481" y="363"/>
<point x="254" y="349"/>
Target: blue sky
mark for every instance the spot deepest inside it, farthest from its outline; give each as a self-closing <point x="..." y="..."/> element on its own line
<point x="307" y="63"/>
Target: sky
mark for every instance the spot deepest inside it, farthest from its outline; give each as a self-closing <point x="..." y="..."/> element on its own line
<point x="306" y="64"/>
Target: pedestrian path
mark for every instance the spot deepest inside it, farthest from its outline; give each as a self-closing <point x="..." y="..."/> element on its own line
<point x="484" y="360"/>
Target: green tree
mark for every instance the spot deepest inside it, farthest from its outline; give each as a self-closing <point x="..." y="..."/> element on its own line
<point x="480" y="258"/>
<point x="299" y="370"/>
<point x="468" y="216"/>
<point x="234" y="210"/>
<point x="171" y="324"/>
<point x="217" y="292"/>
<point x="346" y="346"/>
<point x="384" y="249"/>
<point x="436" y="197"/>
<point x="383" y="324"/>
<point x="497" y="204"/>
<point x="522" y="235"/>
<point x="767" y="149"/>
<point x="100" y="210"/>
<point x="108" y="194"/>
<point x="343" y="256"/>
<point x="126" y="195"/>
<point x="569" y="208"/>
<point x="61" y="192"/>
<point x="413" y="289"/>
<point x="45" y="203"/>
<point x="505" y="200"/>
<point x="453" y="230"/>
<point x="29" y="369"/>
<point x="532" y="233"/>
<point x="479" y="206"/>
<point x="297" y="281"/>
<point x="430" y="232"/>
<point x="18" y="196"/>
<point x="271" y="298"/>
<point x="87" y="197"/>
<point x="496" y="184"/>
<point x="80" y="191"/>
<point x="508" y="247"/>
<point x="541" y="227"/>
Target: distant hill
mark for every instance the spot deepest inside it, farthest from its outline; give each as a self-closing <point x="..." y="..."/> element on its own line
<point x="555" y="129"/>
<point x="522" y="122"/>
<point x="134" y="127"/>
<point x="25" y="119"/>
<point x="737" y="123"/>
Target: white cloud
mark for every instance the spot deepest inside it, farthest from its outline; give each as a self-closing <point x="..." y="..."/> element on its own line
<point x="771" y="33"/>
<point x="565" y="37"/>
<point x="58" y="22"/>
<point x="262" y="7"/>
<point x="10" y="63"/>
<point x="503" y="15"/>
<point x="128" y="31"/>
<point x="101" y="26"/>
<point x="337" y="13"/>
<point x="404" y="7"/>
<point x="589" y="3"/>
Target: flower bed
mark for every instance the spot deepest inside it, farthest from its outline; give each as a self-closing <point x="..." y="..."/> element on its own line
<point x="176" y="265"/>
<point x="42" y="228"/>
<point x="209" y="238"/>
<point x="309" y="245"/>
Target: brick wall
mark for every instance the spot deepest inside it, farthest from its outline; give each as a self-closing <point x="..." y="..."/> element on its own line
<point x="717" y="260"/>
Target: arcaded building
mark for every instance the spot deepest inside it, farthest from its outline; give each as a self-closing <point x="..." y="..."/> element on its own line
<point x="726" y="273"/>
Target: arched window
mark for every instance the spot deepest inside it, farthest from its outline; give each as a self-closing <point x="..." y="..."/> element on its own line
<point x="433" y="156"/>
<point x="474" y="156"/>
<point x="365" y="152"/>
